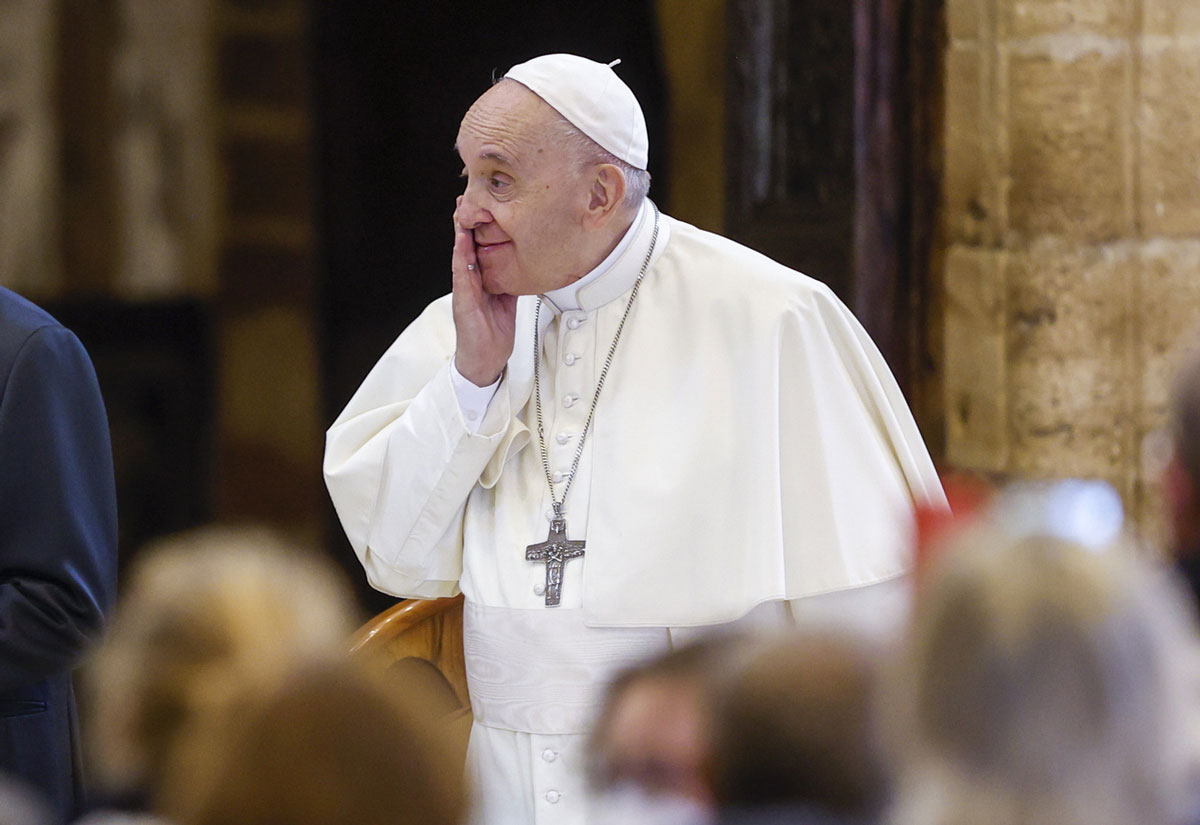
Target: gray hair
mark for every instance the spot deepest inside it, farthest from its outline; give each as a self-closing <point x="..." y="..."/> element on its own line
<point x="588" y="153"/>
<point x="1045" y="683"/>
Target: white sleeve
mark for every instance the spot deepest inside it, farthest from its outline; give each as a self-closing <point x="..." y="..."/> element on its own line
<point x="473" y="400"/>
<point x="400" y="462"/>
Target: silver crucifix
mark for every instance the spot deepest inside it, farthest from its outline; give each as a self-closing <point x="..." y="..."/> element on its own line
<point x="555" y="551"/>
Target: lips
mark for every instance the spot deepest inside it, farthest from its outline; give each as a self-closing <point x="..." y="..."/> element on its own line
<point x="488" y="248"/>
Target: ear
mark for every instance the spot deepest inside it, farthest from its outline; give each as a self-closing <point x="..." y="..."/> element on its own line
<point x="605" y="195"/>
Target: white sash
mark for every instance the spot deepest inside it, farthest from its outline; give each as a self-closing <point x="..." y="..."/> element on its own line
<point x="544" y="671"/>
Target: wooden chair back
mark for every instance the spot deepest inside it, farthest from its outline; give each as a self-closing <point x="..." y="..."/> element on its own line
<point x="419" y="642"/>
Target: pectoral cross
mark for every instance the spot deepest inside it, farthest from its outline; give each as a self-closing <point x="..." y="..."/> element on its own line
<point x="555" y="551"/>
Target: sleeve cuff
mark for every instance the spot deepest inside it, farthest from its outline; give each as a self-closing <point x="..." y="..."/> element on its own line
<point x="473" y="401"/>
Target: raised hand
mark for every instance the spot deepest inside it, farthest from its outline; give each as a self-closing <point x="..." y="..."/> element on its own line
<point x="485" y="324"/>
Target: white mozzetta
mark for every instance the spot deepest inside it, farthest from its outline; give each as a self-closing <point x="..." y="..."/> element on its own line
<point x="751" y="446"/>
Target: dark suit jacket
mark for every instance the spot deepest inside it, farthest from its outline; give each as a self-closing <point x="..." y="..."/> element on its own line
<point x="58" y="543"/>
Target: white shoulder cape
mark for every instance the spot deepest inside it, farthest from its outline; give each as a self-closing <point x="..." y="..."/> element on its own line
<point x="751" y="445"/>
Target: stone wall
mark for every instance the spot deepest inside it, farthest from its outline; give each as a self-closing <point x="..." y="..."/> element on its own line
<point x="693" y="45"/>
<point x="268" y="419"/>
<point x="28" y="146"/>
<point x="1072" y="233"/>
<point x="156" y="165"/>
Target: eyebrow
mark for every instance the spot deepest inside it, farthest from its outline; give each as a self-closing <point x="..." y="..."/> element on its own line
<point x="492" y="156"/>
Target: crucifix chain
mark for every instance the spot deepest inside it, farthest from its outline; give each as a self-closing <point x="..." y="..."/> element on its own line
<point x="537" y="385"/>
<point x="556" y="550"/>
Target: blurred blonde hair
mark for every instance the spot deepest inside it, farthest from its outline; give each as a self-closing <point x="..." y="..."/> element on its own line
<point x="1045" y="682"/>
<point x="203" y="613"/>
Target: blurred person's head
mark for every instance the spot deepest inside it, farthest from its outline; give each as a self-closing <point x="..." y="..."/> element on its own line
<point x="19" y="805"/>
<point x="1181" y="478"/>
<point x="202" y="613"/>
<point x="794" y="732"/>
<point x="652" y="743"/>
<point x="1045" y="681"/>
<point x="327" y="744"/>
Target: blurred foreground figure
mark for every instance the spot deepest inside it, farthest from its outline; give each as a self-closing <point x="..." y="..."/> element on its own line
<point x="615" y="426"/>
<point x="19" y="807"/>
<point x="794" y="739"/>
<point x="326" y="745"/>
<point x="1181" y="479"/>
<point x="1046" y="681"/>
<point x="204" y="615"/>
<point x="58" y="544"/>
<point x="652" y="744"/>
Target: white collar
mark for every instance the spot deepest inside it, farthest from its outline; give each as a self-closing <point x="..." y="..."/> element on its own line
<point x="617" y="273"/>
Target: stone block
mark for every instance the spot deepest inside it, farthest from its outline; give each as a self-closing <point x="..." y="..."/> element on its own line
<point x="1171" y="18"/>
<point x="974" y="377"/>
<point x="972" y="206"/>
<point x="1070" y="301"/>
<point x="264" y="69"/>
<point x="268" y="177"/>
<point x="1068" y="147"/>
<point x="259" y="275"/>
<point x="1169" y="292"/>
<point x="268" y="364"/>
<point x="965" y="19"/>
<point x="1069" y="349"/>
<point x="1032" y="18"/>
<point x="1069" y="416"/>
<point x="1169" y="121"/>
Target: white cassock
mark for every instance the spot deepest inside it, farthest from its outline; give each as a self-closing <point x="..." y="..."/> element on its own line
<point x="750" y="449"/>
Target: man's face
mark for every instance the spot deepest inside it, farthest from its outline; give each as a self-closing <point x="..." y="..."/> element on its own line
<point x="657" y="738"/>
<point x="524" y="199"/>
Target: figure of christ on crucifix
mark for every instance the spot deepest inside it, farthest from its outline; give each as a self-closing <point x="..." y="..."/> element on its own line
<point x="556" y="551"/>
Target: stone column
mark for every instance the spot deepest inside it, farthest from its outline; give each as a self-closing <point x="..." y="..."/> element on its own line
<point x="268" y="421"/>
<point x="1072" y="233"/>
<point x="29" y="260"/>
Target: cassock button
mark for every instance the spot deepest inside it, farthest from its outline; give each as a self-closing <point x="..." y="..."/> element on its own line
<point x="549" y="755"/>
<point x="573" y="323"/>
<point x="569" y="400"/>
<point x="562" y="438"/>
<point x="539" y="589"/>
<point x="557" y="477"/>
<point x="569" y="359"/>
<point x="553" y="796"/>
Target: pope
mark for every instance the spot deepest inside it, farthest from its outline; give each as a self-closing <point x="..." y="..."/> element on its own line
<point x="616" y="431"/>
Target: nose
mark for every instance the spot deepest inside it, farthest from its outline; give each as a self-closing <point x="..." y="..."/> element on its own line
<point x="470" y="214"/>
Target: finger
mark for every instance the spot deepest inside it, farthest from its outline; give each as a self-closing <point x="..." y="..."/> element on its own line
<point x="470" y="256"/>
<point x="464" y="249"/>
<point x="466" y="274"/>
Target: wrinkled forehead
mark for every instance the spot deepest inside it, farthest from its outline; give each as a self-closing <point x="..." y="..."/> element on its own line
<point x="508" y="118"/>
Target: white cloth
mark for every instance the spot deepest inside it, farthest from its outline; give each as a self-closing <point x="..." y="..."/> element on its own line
<point x="750" y="447"/>
<point x="473" y="400"/>
<point x="593" y="98"/>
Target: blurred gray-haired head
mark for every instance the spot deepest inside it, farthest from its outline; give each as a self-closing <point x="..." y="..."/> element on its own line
<point x="1045" y="680"/>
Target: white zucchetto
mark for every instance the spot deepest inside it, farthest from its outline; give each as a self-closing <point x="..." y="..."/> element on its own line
<point x="592" y="98"/>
